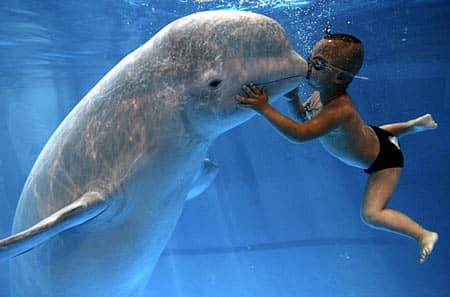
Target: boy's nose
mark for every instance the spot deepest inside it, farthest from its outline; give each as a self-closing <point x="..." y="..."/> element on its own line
<point x="308" y="73"/>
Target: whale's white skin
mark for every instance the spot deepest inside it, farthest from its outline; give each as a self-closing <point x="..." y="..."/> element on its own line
<point x="107" y="190"/>
<point x="205" y="177"/>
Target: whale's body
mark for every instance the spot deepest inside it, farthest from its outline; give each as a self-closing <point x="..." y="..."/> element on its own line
<point x="108" y="188"/>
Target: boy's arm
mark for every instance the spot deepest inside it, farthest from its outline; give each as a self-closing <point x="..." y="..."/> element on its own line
<point x="330" y="118"/>
<point x="302" y="112"/>
<point x="296" y="108"/>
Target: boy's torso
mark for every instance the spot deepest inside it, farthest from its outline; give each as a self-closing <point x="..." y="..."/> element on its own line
<point x="353" y="142"/>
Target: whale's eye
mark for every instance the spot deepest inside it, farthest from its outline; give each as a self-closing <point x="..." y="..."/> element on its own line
<point x="215" y="83"/>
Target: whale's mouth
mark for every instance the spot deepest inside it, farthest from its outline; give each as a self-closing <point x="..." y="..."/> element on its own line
<point x="280" y="79"/>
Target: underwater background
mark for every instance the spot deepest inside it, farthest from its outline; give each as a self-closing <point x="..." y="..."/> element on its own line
<point x="280" y="219"/>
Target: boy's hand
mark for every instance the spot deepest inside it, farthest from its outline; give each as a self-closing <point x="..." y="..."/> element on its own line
<point x="256" y="98"/>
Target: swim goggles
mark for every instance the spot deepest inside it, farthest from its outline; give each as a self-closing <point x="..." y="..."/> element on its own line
<point x="320" y="64"/>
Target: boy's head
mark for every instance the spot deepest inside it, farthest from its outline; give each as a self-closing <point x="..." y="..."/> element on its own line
<point x="335" y="61"/>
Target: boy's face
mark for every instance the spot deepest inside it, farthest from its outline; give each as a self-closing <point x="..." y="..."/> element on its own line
<point x="326" y="59"/>
<point x="319" y="77"/>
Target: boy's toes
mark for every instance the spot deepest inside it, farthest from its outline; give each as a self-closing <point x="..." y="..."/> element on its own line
<point x="424" y="255"/>
<point x="427" y="246"/>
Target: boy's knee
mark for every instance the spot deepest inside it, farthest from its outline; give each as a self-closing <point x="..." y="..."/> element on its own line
<point x="370" y="217"/>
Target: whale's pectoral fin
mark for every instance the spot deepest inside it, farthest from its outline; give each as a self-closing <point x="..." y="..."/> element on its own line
<point x="204" y="179"/>
<point x="78" y="212"/>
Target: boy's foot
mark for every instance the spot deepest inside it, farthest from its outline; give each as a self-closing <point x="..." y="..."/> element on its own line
<point x="424" y="122"/>
<point x="427" y="245"/>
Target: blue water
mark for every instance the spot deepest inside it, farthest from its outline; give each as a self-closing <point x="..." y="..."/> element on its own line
<point x="280" y="219"/>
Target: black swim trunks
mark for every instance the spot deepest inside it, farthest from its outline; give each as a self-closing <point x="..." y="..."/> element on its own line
<point x="390" y="155"/>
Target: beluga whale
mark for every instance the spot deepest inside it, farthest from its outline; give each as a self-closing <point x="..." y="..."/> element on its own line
<point x="105" y="193"/>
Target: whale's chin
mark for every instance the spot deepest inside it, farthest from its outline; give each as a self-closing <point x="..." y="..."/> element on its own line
<point x="240" y="116"/>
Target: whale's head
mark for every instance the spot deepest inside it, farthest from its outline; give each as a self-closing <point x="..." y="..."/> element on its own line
<point x="208" y="56"/>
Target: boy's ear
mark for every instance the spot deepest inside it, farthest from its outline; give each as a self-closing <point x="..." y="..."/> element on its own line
<point x="341" y="79"/>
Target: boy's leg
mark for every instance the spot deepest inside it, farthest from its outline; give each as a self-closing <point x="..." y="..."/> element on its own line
<point x="421" y="123"/>
<point x="380" y="187"/>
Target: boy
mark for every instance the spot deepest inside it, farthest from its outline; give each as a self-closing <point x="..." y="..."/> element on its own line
<point x="330" y="115"/>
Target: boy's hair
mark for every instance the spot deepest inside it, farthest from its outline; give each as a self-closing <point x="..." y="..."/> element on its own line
<point x="343" y="37"/>
<point x="354" y="49"/>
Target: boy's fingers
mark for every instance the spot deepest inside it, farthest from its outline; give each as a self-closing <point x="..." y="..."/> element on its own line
<point x="248" y="90"/>
<point x="255" y="89"/>
<point x="244" y="101"/>
<point x="264" y="91"/>
<point x="240" y="98"/>
<point x="245" y="105"/>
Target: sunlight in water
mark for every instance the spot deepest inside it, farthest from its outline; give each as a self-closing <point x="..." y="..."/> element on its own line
<point x="234" y="4"/>
<point x="260" y="3"/>
<point x="252" y="4"/>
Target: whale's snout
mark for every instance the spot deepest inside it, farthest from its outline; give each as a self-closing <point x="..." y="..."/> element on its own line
<point x="285" y="75"/>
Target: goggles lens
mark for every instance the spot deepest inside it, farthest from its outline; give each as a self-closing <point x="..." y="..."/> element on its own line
<point x="320" y="64"/>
